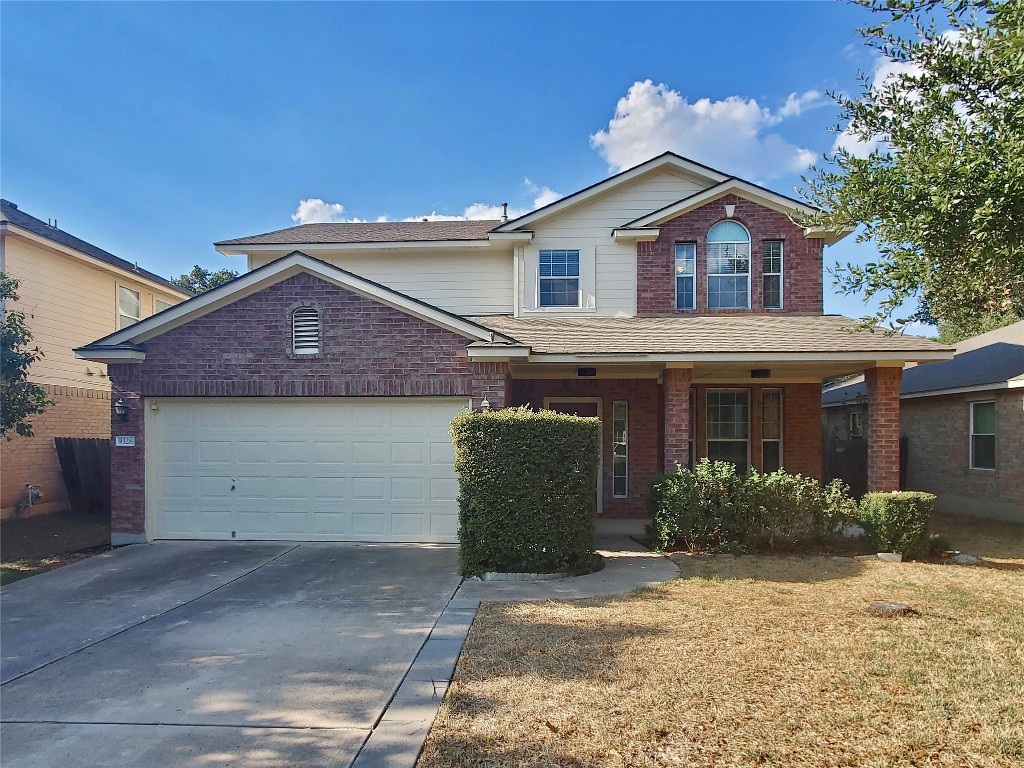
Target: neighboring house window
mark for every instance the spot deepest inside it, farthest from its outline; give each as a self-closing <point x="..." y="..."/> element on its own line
<point x="771" y="269"/>
<point x="728" y="426"/>
<point x="856" y="424"/>
<point x="160" y="306"/>
<point x="620" y="453"/>
<point x="728" y="266"/>
<point x="983" y="435"/>
<point x="771" y="430"/>
<point x="686" y="266"/>
<point x="129" y="307"/>
<point x="559" y="279"/>
<point x="305" y="331"/>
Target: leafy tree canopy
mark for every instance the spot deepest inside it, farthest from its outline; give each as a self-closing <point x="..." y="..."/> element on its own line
<point x="931" y="165"/>
<point x="201" y="280"/>
<point x="20" y="399"/>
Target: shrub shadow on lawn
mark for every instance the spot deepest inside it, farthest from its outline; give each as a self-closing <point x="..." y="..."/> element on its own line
<point x="775" y="568"/>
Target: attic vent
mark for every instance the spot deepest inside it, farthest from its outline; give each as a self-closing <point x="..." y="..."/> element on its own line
<point x="305" y="331"/>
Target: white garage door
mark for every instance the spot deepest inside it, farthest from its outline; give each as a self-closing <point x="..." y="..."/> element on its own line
<point x="328" y="469"/>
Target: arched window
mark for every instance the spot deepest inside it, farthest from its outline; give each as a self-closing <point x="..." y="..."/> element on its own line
<point x="305" y="331"/>
<point x="728" y="266"/>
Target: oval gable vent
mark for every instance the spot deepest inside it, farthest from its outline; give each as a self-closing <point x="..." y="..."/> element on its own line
<point x="305" y="331"/>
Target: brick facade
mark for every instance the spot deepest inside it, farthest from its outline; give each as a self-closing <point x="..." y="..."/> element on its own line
<point x="491" y="382"/>
<point x="676" y="405"/>
<point x="883" y="428"/>
<point x="76" y="412"/>
<point x="802" y="270"/>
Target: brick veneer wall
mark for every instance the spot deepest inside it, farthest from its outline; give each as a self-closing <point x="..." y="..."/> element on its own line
<point x="676" y="391"/>
<point x="244" y="350"/>
<point x="883" y="428"/>
<point x="802" y="284"/>
<point x="76" y="412"/>
<point x="644" y="430"/>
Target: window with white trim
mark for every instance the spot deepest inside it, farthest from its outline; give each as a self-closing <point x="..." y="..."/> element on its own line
<point x="771" y="274"/>
<point x="620" y="451"/>
<point x="160" y="306"/>
<point x="728" y="426"/>
<point x="983" y="435"/>
<point x="686" y="277"/>
<point x="771" y="429"/>
<point x="305" y="331"/>
<point x="129" y="307"/>
<point x="559" y="279"/>
<point x="728" y="266"/>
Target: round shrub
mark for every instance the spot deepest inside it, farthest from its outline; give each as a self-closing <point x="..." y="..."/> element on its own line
<point x="527" y="490"/>
<point x="898" y="521"/>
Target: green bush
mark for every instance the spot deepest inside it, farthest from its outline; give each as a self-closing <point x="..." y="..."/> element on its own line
<point x="899" y="521"/>
<point x="527" y="485"/>
<point x="712" y="508"/>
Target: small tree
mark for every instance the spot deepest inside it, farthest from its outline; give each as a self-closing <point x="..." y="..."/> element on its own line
<point x="20" y="399"/>
<point x="201" y="280"/>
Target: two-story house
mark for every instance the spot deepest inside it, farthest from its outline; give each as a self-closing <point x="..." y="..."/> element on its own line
<point x="311" y="397"/>
<point x="70" y="292"/>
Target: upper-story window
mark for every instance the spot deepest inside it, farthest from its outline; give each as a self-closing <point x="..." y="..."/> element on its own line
<point x="305" y="331"/>
<point x="771" y="271"/>
<point x="129" y="307"/>
<point x="686" y="267"/>
<point x="559" y="279"/>
<point x="728" y="266"/>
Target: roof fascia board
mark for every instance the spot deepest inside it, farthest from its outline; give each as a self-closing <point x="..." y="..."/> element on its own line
<point x="625" y="177"/>
<point x="869" y="359"/>
<point x="635" y="235"/>
<point x="111" y="355"/>
<point x="239" y="250"/>
<point x="10" y="228"/>
<point x="513" y="351"/>
<point x="766" y="197"/>
<point x="281" y="269"/>
<point x="524" y="236"/>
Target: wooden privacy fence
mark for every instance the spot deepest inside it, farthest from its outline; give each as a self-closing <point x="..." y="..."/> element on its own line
<point x="85" y="465"/>
<point x="847" y="460"/>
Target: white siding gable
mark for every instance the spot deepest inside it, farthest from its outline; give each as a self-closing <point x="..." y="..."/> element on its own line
<point x="607" y="269"/>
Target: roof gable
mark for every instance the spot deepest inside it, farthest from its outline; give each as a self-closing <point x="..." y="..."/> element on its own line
<point x="116" y="345"/>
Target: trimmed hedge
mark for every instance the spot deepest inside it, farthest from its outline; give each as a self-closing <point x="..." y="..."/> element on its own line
<point x="527" y="483"/>
<point x="713" y="508"/>
<point x="899" y="521"/>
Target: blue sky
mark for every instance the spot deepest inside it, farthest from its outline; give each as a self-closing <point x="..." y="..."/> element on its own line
<point x="154" y="129"/>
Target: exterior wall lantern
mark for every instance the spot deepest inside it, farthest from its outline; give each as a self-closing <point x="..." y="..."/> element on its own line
<point x="121" y="409"/>
<point x="484" y="405"/>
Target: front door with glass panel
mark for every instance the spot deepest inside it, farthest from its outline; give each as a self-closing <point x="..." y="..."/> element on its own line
<point x="581" y="406"/>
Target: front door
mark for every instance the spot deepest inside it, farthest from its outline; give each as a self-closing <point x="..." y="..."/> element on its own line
<point x="582" y="406"/>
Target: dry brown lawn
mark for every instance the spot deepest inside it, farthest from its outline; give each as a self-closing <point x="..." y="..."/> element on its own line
<point x="752" y="662"/>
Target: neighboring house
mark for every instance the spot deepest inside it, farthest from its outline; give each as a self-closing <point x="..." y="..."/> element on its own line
<point x="962" y="421"/>
<point x="71" y="292"/>
<point x="311" y="397"/>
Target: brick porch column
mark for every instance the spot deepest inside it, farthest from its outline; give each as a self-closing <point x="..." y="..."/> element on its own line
<point x="883" y="435"/>
<point x="491" y="382"/>
<point x="127" y="465"/>
<point x="677" y="416"/>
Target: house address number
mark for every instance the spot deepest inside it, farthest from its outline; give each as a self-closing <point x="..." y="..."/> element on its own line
<point x="124" y="441"/>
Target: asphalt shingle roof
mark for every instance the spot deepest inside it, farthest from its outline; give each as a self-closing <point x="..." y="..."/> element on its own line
<point x="700" y="334"/>
<point x="10" y="212"/>
<point x="371" y="232"/>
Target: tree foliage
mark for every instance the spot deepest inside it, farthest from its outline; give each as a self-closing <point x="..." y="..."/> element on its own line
<point x="201" y="280"/>
<point x="20" y="399"/>
<point x="942" y="195"/>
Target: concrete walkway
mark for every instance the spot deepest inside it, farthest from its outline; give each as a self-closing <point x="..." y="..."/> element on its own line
<point x="627" y="566"/>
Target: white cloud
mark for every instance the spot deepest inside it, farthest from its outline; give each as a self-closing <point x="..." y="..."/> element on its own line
<point x="732" y="133"/>
<point x="315" y="211"/>
<point x="886" y="70"/>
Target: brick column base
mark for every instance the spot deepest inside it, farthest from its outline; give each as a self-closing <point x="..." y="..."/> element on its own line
<point x="677" y="417"/>
<point x="883" y="433"/>
<point x="491" y="383"/>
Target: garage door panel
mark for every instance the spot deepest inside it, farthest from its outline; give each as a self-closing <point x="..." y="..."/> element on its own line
<point x="314" y="469"/>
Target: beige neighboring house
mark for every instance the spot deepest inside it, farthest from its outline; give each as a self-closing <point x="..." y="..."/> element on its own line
<point x="71" y="292"/>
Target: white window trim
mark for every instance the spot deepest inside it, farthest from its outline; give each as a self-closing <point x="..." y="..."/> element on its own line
<point x="117" y="306"/>
<point x="782" y="426"/>
<point x="970" y="437"/>
<point x="675" y="275"/>
<point x="549" y="401"/>
<point x="579" y="281"/>
<point x="708" y="440"/>
<point x="750" y="267"/>
<point x="625" y="445"/>
<point x="781" y="273"/>
<point x="157" y="309"/>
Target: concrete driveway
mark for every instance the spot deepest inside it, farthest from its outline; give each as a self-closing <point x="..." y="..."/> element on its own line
<point x="210" y="654"/>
